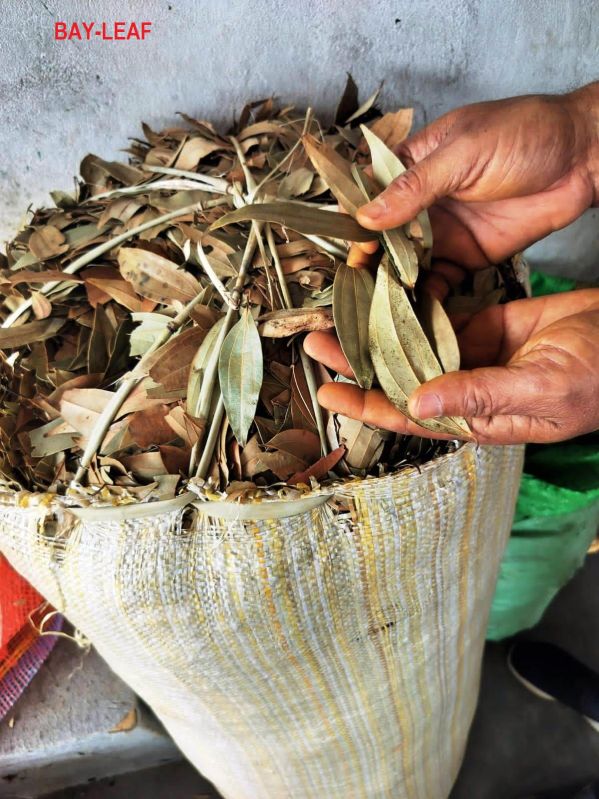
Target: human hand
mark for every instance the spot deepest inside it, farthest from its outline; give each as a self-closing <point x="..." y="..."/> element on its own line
<point x="532" y="375"/>
<point x="498" y="175"/>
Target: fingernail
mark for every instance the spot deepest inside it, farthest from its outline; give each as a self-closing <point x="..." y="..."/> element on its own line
<point x="375" y="209"/>
<point x="426" y="406"/>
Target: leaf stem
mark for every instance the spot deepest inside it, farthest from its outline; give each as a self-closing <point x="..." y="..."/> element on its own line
<point x="213" y="435"/>
<point x="305" y="359"/>
<point x="214" y="278"/>
<point x="218" y="185"/>
<point x="211" y="371"/>
<point x="274" y="170"/>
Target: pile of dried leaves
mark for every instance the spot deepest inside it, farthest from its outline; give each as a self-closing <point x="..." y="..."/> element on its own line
<point x="152" y="321"/>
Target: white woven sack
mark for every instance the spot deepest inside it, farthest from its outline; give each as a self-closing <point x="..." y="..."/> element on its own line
<point x="333" y="654"/>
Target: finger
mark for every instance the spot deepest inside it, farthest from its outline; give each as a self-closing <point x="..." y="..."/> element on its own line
<point x="371" y="407"/>
<point x="367" y="247"/>
<point x="436" y="285"/>
<point x="358" y="257"/>
<point x="516" y="389"/>
<point x="414" y="190"/>
<point x="324" y="346"/>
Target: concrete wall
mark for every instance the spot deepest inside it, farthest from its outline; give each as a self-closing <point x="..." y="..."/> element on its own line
<point x="60" y="100"/>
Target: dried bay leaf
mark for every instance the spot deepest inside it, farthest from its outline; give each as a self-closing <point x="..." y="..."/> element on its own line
<point x="439" y="331"/>
<point x="296" y="183"/>
<point x="170" y="364"/>
<point x="144" y="336"/>
<point x="149" y="427"/>
<point x="399" y="247"/>
<point x="194" y="150"/>
<point x="302" y="218"/>
<point x="320" y="469"/>
<point x="40" y="305"/>
<point x="288" y="322"/>
<point x="386" y="166"/>
<point x="47" y="242"/>
<point x="20" y="336"/>
<point x="302" y="443"/>
<point x="366" y="106"/>
<point x="394" y="127"/>
<point x="352" y="297"/>
<point x="240" y="370"/>
<point x="302" y="410"/>
<point x="348" y="103"/>
<point x="198" y="365"/>
<point x="156" y="277"/>
<point x="393" y="369"/>
<point x="413" y="341"/>
<point x="110" y="285"/>
<point x="336" y="173"/>
<point x="47" y="276"/>
<point x="364" y="444"/>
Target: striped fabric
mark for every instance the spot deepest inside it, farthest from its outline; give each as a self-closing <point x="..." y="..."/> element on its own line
<point x="17" y="678"/>
<point x="333" y="654"/>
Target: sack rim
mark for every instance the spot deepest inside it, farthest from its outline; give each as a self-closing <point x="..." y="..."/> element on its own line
<point x="222" y="508"/>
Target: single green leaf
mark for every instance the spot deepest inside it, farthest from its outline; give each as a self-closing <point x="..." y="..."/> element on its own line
<point x="240" y="371"/>
<point x="155" y="277"/>
<point x="393" y="369"/>
<point x="198" y="366"/>
<point x="439" y="332"/>
<point x="352" y="298"/>
<point x="386" y="166"/>
<point x="300" y="217"/>
<point x="20" y="336"/>
<point x="336" y="172"/>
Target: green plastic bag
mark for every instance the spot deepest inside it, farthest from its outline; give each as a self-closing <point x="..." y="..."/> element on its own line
<point x="557" y="516"/>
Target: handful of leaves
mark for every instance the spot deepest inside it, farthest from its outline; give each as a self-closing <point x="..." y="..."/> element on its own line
<point x="152" y="321"/>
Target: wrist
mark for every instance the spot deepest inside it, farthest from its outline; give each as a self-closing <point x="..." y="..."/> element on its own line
<point x="583" y="105"/>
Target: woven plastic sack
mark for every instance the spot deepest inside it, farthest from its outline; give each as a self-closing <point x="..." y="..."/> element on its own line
<point x="330" y="654"/>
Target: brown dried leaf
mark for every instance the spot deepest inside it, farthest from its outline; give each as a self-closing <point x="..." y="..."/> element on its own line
<point x="320" y="469"/>
<point x="40" y="305"/>
<point x="170" y="364"/>
<point x="288" y="322"/>
<point x="391" y="128"/>
<point x="21" y="336"/>
<point x="47" y="242"/>
<point x="184" y="425"/>
<point x="193" y="151"/>
<point x="301" y="443"/>
<point x="150" y="428"/>
<point x="156" y="277"/>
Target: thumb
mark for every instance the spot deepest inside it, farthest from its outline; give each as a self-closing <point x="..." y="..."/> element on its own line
<point x="411" y="192"/>
<point x="490" y="391"/>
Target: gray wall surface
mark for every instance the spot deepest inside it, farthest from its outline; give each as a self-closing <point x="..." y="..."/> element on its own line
<point x="62" y="99"/>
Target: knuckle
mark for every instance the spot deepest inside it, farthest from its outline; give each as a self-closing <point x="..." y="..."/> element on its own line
<point x="410" y="182"/>
<point x="478" y="399"/>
